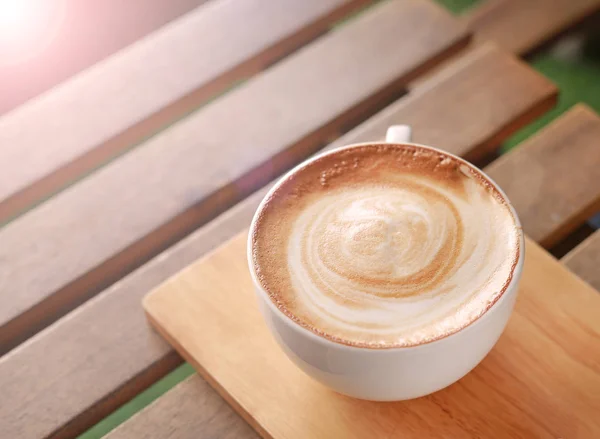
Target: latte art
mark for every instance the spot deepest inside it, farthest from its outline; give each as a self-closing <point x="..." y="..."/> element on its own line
<point x="399" y="246"/>
<point x="384" y="242"/>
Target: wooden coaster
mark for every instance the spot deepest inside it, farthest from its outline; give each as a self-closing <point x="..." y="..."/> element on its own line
<point x="542" y="379"/>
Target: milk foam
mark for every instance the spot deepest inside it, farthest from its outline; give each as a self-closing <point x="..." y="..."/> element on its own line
<point x="391" y="248"/>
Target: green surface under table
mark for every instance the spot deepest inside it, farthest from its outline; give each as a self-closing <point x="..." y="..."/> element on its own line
<point x="577" y="77"/>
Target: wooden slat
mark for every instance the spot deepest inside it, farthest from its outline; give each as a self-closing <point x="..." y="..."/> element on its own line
<point x="584" y="260"/>
<point x="96" y="231"/>
<point x="553" y="178"/>
<point x="106" y="109"/>
<point x="96" y="367"/>
<point x="520" y="26"/>
<point x="213" y="417"/>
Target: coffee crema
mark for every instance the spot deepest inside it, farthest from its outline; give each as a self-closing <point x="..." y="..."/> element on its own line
<point x="383" y="246"/>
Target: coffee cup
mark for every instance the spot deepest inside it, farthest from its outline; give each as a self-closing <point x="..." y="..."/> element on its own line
<point x="389" y="372"/>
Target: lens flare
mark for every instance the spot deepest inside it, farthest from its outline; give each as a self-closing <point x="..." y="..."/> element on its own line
<point x="27" y="27"/>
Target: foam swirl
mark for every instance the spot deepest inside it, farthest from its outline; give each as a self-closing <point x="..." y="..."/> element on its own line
<point x="396" y="259"/>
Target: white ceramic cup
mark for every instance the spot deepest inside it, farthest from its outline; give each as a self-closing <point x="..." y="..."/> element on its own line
<point x="396" y="373"/>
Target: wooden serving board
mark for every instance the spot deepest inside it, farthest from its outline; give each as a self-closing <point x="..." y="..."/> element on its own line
<point x="542" y="380"/>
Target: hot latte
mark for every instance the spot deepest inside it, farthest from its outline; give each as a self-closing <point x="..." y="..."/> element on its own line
<point x="383" y="246"/>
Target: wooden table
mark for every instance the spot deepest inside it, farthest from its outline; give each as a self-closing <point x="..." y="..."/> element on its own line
<point x="118" y="178"/>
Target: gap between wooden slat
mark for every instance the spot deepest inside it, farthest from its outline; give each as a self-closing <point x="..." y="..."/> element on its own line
<point x="584" y="260"/>
<point x="572" y="240"/>
<point x="101" y="363"/>
<point x="127" y="98"/>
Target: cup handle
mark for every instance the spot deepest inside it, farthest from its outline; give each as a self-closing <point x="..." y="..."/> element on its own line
<point x="398" y="134"/>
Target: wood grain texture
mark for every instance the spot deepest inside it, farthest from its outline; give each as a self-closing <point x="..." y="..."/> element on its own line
<point x="584" y="260"/>
<point x="122" y="100"/>
<point x="521" y="26"/>
<point x="553" y="178"/>
<point x="213" y="417"/>
<point x="93" y="233"/>
<point x="96" y="367"/>
<point x="541" y="380"/>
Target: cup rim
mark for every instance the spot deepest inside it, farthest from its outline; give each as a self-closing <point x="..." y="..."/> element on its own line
<point x="512" y="283"/>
